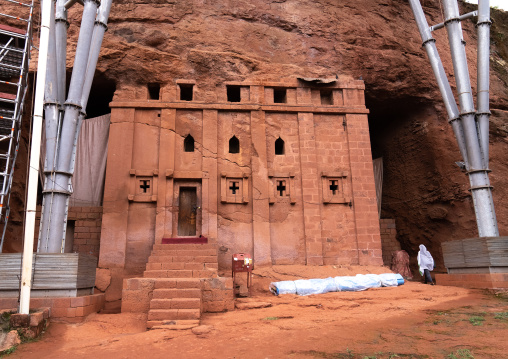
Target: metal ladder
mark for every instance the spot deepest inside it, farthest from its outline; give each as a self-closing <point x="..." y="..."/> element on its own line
<point x="15" y="45"/>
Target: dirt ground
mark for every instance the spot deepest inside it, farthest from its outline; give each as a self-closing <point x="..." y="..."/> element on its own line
<point x="410" y="321"/>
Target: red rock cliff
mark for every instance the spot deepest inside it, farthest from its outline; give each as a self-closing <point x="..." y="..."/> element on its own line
<point x="156" y="41"/>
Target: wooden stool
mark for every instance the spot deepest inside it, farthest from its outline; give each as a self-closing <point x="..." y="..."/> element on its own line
<point x="242" y="262"/>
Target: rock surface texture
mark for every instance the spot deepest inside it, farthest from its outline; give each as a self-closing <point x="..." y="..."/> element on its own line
<point x="212" y="42"/>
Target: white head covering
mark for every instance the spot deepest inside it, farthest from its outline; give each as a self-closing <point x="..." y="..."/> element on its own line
<point x="425" y="260"/>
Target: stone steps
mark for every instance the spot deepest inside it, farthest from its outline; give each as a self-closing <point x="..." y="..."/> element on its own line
<point x="180" y="273"/>
<point x="178" y="283"/>
<point x="184" y="252"/>
<point x="180" y="266"/>
<point x="173" y="247"/>
<point x="178" y="269"/>
<point x="168" y="258"/>
<point x="176" y="303"/>
<point x="176" y="293"/>
<point x="174" y="314"/>
<point x="172" y="324"/>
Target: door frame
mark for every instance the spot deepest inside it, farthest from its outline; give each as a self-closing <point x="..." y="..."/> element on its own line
<point x="176" y="205"/>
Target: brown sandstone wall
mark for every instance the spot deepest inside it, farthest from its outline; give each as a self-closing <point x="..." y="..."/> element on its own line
<point x="389" y="240"/>
<point x="87" y="229"/>
<point x="286" y="219"/>
<point x="424" y="190"/>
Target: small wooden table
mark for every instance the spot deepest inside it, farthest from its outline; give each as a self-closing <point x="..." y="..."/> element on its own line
<point x="242" y="262"/>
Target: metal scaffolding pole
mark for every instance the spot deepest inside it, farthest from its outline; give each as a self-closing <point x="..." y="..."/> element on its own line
<point x="101" y="25"/>
<point x="14" y="67"/>
<point x="478" y="174"/>
<point x="483" y="68"/>
<point x="97" y="37"/>
<point x="33" y="174"/>
<point x="464" y="124"/>
<point x="61" y="26"/>
<point x="444" y="86"/>
<point x="51" y="118"/>
<point x="58" y="182"/>
<point x="57" y="191"/>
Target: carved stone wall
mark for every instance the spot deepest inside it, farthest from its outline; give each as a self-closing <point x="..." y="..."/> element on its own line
<point x="279" y="170"/>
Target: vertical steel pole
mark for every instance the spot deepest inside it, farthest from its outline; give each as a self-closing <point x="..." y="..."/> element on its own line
<point x="51" y="93"/>
<point x="51" y="109"/>
<point x="61" y="47"/>
<point x="52" y="242"/>
<point x="478" y="175"/>
<point x="33" y="174"/>
<point x="101" y="25"/>
<point x="95" y="47"/>
<point x="429" y="43"/>
<point x="483" y="112"/>
<point x="464" y="125"/>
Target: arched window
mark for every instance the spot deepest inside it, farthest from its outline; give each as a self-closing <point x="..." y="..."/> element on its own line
<point x="234" y="145"/>
<point x="188" y="144"/>
<point x="279" y="146"/>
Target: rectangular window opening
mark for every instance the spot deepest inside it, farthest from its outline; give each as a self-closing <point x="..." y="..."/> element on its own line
<point x="326" y="97"/>
<point x="234" y="93"/>
<point x="69" y="236"/>
<point x="279" y="95"/>
<point x="186" y="92"/>
<point x="154" y="90"/>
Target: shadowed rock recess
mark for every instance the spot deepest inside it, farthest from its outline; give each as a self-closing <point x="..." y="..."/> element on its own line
<point x="156" y="42"/>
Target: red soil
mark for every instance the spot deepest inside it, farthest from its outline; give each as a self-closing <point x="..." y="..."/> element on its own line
<point x="412" y="321"/>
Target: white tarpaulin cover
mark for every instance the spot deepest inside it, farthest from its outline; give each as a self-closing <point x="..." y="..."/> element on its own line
<point x="338" y="284"/>
<point x="90" y="167"/>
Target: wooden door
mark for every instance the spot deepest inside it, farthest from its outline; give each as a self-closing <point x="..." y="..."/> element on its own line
<point x="187" y="211"/>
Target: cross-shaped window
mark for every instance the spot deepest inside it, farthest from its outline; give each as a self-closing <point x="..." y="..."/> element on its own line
<point x="333" y="186"/>
<point x="234" y="187"/>
<point x="281" y="187"/>
<point x="144" y="185"/>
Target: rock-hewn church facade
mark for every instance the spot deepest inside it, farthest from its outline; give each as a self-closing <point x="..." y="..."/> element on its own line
<point x="282" y="171"/>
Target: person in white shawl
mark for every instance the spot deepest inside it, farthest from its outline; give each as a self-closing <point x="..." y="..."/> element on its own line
<point x="426" y="264"/>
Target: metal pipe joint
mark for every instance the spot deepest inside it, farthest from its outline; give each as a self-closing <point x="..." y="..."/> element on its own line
<point x="104" y="25"/>
<point x="73" y="104"/>
<point x="476" y="188"/>
<point x="427" y="41"/>
<point x="487" y="22"/>
<point x="61" y="191"/>
<point x="67" y="23"/>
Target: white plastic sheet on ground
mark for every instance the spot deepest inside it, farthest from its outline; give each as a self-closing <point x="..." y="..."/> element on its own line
<point x="315" y="286"/>
<point x="285" y="287"/>
<point x="338" y="284"/>
<point x="390" y="279"/>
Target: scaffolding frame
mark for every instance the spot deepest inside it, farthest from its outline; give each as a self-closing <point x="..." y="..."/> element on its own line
<point x="470" y="126"/>
<point x="15" y="47"/>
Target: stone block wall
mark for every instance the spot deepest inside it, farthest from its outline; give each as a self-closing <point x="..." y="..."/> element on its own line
<point x="363" y="184"/>
<point x="87" y="229"/>
<point x="310" y="201"/>
<point x="217" y="295"/>
<point x="497" y="281"/>
<point x="389" y="240"/>
<point x="65" y="309"/>
<point x="137" y="294"/>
